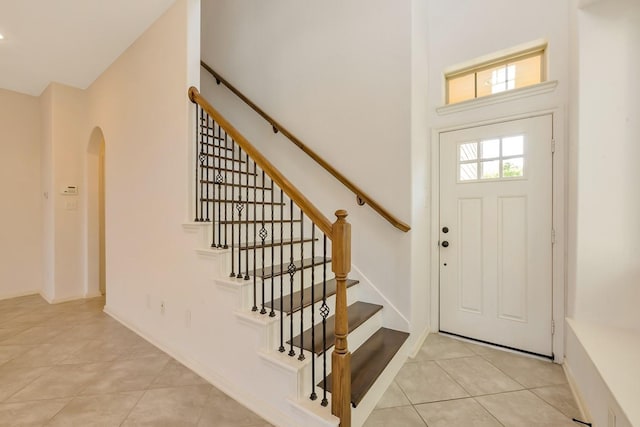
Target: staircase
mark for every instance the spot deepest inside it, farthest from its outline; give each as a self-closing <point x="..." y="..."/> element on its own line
<point x="290" y="265"/>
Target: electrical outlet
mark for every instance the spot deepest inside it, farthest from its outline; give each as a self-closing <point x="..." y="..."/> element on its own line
<point x="161" y="307"/>
<point x="187" y="318"/>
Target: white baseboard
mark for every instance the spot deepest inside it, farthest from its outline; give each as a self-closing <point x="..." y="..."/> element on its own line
<point x="417" y="344"/>
<point x="274" y="416"/>
<point x="18" y="295"/>
<point x="577" y="396"/>
<point x="61" y="300"/>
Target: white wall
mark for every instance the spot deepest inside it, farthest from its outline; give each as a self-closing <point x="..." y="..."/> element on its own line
<point x="338" y="75"/>
<point x="467" y="30"/>
<point x="20" y="220"/>
<point x="140" y="103"/>
<point x="464" y="30"/>
<point x="64" y="114"/>
<point x="606" y="288"/>
<point x="420" y="180"/>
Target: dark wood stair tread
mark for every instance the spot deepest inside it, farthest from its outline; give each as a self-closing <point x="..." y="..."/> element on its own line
<point x="266" y="222"/>
<point x="207" y="144"/>
<point x="358" y="312"/>
<point x="280" y="269"/>
<point x="216" y="168"/>
<point x="229" y="184"/>
<point x="220" y="157"/>
<point x="249" y="202"/>
<point x="370" y="360"/>
<point x="285" y="302"/>
<point x="270" y="243"/>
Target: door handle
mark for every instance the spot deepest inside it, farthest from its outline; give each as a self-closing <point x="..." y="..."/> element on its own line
<point x="445" y="244"/>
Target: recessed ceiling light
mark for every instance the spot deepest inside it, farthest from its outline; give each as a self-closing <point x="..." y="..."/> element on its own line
<point x="1" y="37"/>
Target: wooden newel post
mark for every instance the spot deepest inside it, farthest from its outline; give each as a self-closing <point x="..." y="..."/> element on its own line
<point x="341" y="357"/>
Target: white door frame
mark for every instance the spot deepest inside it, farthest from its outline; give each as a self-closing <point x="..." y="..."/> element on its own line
<point x="559" y="203"/>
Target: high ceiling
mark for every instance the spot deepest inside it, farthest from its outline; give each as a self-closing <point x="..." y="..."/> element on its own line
<point x="67" y="41"/>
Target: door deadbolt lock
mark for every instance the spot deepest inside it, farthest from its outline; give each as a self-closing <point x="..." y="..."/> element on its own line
<point x="445" y="244"/>
<point x="445" y="230"/>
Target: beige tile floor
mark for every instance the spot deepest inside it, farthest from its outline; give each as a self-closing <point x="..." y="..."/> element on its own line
<point x="72" y="365"/>
<point x="452" y="383"/>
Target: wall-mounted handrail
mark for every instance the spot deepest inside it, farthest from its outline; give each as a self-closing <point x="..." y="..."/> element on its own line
<point x="362" y="196"/>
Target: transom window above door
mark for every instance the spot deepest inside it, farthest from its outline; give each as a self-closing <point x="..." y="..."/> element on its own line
<point x="492" y="159"/>
<point x="517" y="70"/>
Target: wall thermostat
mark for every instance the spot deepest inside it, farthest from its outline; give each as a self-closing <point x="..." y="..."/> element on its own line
<point x="70" y="190"/>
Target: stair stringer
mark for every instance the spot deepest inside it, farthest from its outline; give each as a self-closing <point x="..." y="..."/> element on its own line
<point x="281" y="393"/>
<point x="221" y="347"/>
<point x="392" y="317"/>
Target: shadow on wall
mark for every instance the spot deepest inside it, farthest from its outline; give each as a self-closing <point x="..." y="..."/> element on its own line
<point x="95" y="215"/>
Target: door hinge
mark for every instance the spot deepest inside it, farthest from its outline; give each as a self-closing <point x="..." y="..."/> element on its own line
<point x="553" y="236"/>
<point x="553" y="327"/>
<point x="553" y="145"/>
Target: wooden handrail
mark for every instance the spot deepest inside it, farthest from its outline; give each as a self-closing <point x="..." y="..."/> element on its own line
<point x="303" y="203"/>
<point x="338" y="232"/>
<point x="362" y="196"/>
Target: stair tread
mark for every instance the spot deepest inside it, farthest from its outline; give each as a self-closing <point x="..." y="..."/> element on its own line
<point x="250" y="202"/>
<point x="267" y="222"/>
<point x="241" y="172"/>
<point x="285" y="302"/>
<point x="358" y="312"/>
<point x="208" y="144"/>
<point x="230" y="159"/>
<point x="370" y="360"/>
<point x="277" y="242"/>
<point x="229" y="184"/>
<point x="280" y="269"/>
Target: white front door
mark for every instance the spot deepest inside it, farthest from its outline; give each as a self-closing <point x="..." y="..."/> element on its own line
<point x="496" y="233"/>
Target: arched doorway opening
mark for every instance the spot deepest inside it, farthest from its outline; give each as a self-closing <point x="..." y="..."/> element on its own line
<point x="96" y="280"/>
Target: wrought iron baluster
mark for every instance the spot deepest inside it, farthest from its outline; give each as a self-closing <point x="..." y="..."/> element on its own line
<point x="208" y="167"/>
<point x="301" y="356"/>
<point x="255" y="242"/>
<point x="263" y="236"/>
<point x="225" y="184"/>
<point x="313" y="396"/>
<point x="292" y="271"/>
<point x="198" y="142"/>
<point x="211" y="183"/>
<point x="233" y="197"/>
<point x="272" y="313"/>
<point x="239" y="207"/>
<point x="246" y="229"/>
<point x="201" y="159"/>
<point x="219" y="181"/>
<point x="281" y="349"/>
<point x="324" y="312"/>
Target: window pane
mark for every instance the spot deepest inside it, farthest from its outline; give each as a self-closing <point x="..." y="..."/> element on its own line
<point x="513" y="167"/>
<point x="513" y="146"/>
<point x="491" y="169"/>
<point x="468" y="151"/>
<point x="528" y="71"/>
<point x="485" y="84"/>
<point x="461" y="88"/>
<point x="468" y="171"/>
<point x="491" y="149"/>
